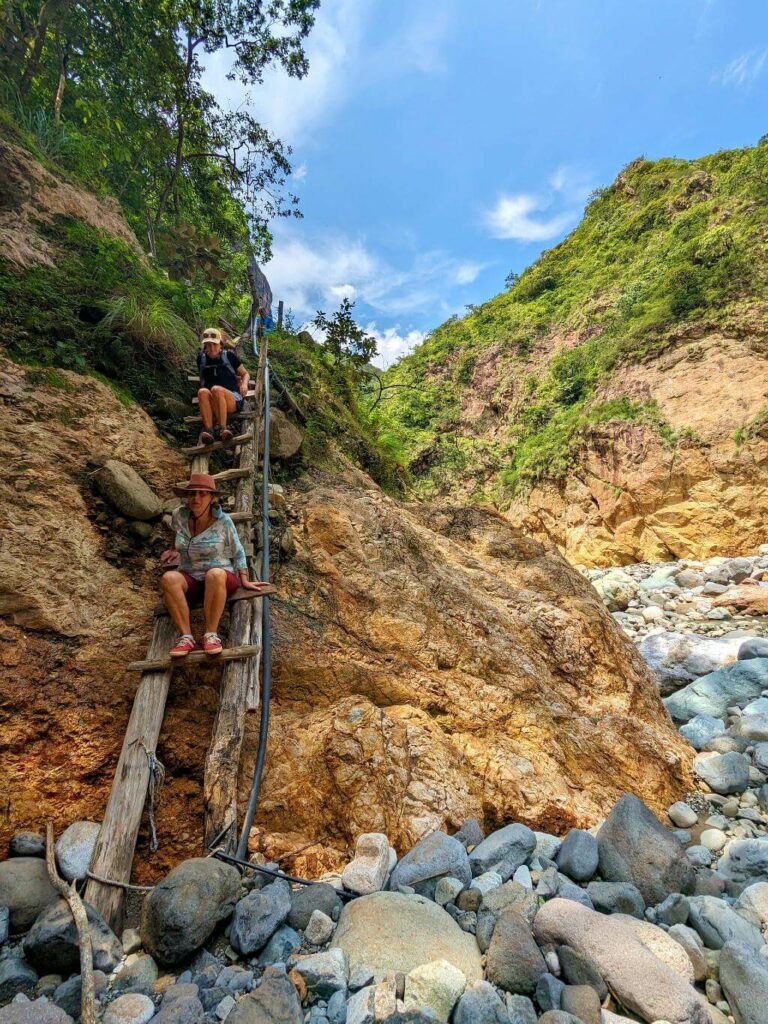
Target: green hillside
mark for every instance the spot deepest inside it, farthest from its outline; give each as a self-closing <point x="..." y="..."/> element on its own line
<point x="672" y="247"/>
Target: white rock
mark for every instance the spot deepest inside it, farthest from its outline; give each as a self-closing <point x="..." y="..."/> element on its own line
<point x="319" y="928"/>
<point x="523" y="877"/>
<point x="225" y="1007"/>
<point x="652" y="614"/>
<point x="133" y="1008"/>
<point x="447" y="889"/>
<point x="486" y="882"/>
<point x="755" y="898"/>
<point x="714" y="839"/>
<point x="368" y="872"/>
<point x="435" y="986"/>
<point x="74" y="849"/>
<point x="682" y="815"/>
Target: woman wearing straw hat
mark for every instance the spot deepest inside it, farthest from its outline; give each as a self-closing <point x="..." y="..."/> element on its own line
<point x="210" y="564"/>
<point x="223" y="385"/>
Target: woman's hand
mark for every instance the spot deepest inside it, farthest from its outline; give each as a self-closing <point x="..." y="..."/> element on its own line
<point x="169" y="557"/>
<point x="243" y="386"/>
<point x="253" y="584"/>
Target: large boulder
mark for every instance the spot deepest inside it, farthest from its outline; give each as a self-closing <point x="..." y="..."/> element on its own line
<point x="679" y="658"/>
<point x="515" y="962"/>
<point x="742" y="862"/>
<point x="183" y="910"/>
<point x="275" y="1001"/>
<point x="74" y="849"/>
<point x="635" y="847"/>
<point x="390" y="932"/>
<point x="52" y="943"/>
<point x="723" y="773"/>
<point x="503" y="851"/>
<point x="16" y="976"/>
<point x="123" y="488"/>
<point x="713" y="694"/>
<point x="617" y="588"/>
<point x="637" y="978"/>
<point x="25" y="889"/>
<point x="435" y="856"/>
<point x="744" y="978"/>
<point x="718" y="924"/>
<point x="480" y="1004"/>
<point x="753" y="647"/>
<point x="37" y="1011"/>
<point x="285" y="438"/>
<point x="258" y="915"/>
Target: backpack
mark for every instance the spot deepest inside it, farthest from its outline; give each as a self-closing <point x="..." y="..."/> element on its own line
<point x="225" y="362"/>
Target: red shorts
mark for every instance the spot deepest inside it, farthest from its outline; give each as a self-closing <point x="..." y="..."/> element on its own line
<point x="196" y="588"/>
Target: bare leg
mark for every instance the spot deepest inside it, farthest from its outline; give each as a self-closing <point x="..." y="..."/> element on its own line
<point x="174" y="588"/>
<point x="223" y="403"/>
<point x="206" y="407"/>
<point x="215" y="598"/>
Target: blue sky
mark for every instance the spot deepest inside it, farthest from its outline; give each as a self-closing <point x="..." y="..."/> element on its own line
<point x="439" y="145"/>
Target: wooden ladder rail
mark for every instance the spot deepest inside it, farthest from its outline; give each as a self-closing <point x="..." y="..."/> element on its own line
<point x="115" y="847"/>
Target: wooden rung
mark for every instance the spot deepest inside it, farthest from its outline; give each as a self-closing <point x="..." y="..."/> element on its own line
<point x="241" y="594"/>
<point x="251" y="394"/>
<point x="228" y="654"/>
<point x="241" y="517"/>
<point x="204" y="449"/>
<point x="244" y="414"/>
<point x="231" y="474"/>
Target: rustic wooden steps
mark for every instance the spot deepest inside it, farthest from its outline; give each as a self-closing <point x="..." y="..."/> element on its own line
<point x="196" y="400"/>
<point x="163" y="664"/>
<point x="244" y="414"/>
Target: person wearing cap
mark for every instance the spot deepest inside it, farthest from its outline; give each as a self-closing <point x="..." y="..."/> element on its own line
<point x="209" y="564"/>
<point x="223" y="385"/>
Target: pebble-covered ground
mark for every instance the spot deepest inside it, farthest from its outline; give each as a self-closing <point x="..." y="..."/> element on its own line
<point x="634" y="920"/>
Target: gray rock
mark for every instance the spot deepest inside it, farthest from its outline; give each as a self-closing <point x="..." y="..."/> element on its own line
<point x="760" y="757"/>
<point x="183" y="910"/>
<point x="285" y="941"/>
<point x="74" y="849"/>
<point x="699" y="856"/>
<point x="549" y="991"/>
<point x="52" y="945"/>
<point x="635" y="847"/>
<point x="480" y="1004"/>
<point x="520" y="1009"/>
<point x="582" y="1002"/>
<point x="15" y="976"/>
<point x="503" y="851"/>
<point x="713" y="694"/>
<point x="25" y="890"/>
<point x="37" y="1012"/>
<point x="674" y="910"/>
<point x="285" y="438"/>
<point x="616" y="898"/>
<point x="701" y="730"/>
<point x="693" y="946"/>
<point x="387" y="932"/>
<point x="368" y="871"/>
<point x="69" y="994"/>
<point x="679" y="658"/>
<point x="744" y="861"/>
<point x="637" y="978"/>
<point x="579" y="970"/>
<point x="753" y="723"/>
<point x="319" y="929"/>
<point x="139" y="975"/>
<point x="336" y="1011"/>
<point x="435" y="856"/>
<point x="514" y="961"/>
<point x="682" y="815"/>
<point x="718" y="924"/>
<point x="494" y="903"/>
<point x="723" y="773"/>
<point x="744" y="979"/>
<point x="5" y="924"/>
<point x="258" y="915"/>
<point x="546" y="845"/>
<point x="559" y="1017"/>
<point x="123" y="488"/>
<point x="570" y="891"/>
<point x="308" y="898"/>
<point x="754" y="647"/>
<point x="27" y="844"/>
<point x="323" y="973"/>
<point x="470" y="833"/>
<point x="578" y="855"/>
<point x="180" y="1005"/>
<point x="132" y="1008"/>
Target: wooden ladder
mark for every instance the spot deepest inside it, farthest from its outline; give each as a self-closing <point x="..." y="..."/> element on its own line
<point x="239" y="692"/>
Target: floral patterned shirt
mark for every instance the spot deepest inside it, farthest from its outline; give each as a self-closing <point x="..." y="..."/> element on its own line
<point x="217" y="547"/>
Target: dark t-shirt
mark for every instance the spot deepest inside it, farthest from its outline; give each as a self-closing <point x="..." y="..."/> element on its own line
<point x="216" y="371"/>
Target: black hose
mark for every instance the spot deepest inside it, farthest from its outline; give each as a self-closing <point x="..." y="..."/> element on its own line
<point x="345" y="894"/>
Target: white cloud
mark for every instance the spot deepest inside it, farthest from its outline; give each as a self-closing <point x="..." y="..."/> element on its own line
<point x="311" y="273"/>
<point x="743" y="70"/>
<point x="511" y="217"/>
<point x="300" y="172"/>
<point x="393" y="342"/>
<point x="525" y="216"/>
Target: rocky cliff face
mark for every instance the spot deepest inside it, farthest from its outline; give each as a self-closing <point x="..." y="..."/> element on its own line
<point x="430" y="663"/>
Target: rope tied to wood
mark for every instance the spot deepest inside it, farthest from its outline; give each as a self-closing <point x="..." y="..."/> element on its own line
<point x="156" y="780"/>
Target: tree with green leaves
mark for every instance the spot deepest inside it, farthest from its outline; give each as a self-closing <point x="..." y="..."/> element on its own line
<point x="347" y="342"/>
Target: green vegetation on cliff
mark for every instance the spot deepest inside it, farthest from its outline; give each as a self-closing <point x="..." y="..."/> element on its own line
<point x="672" y="247"/>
